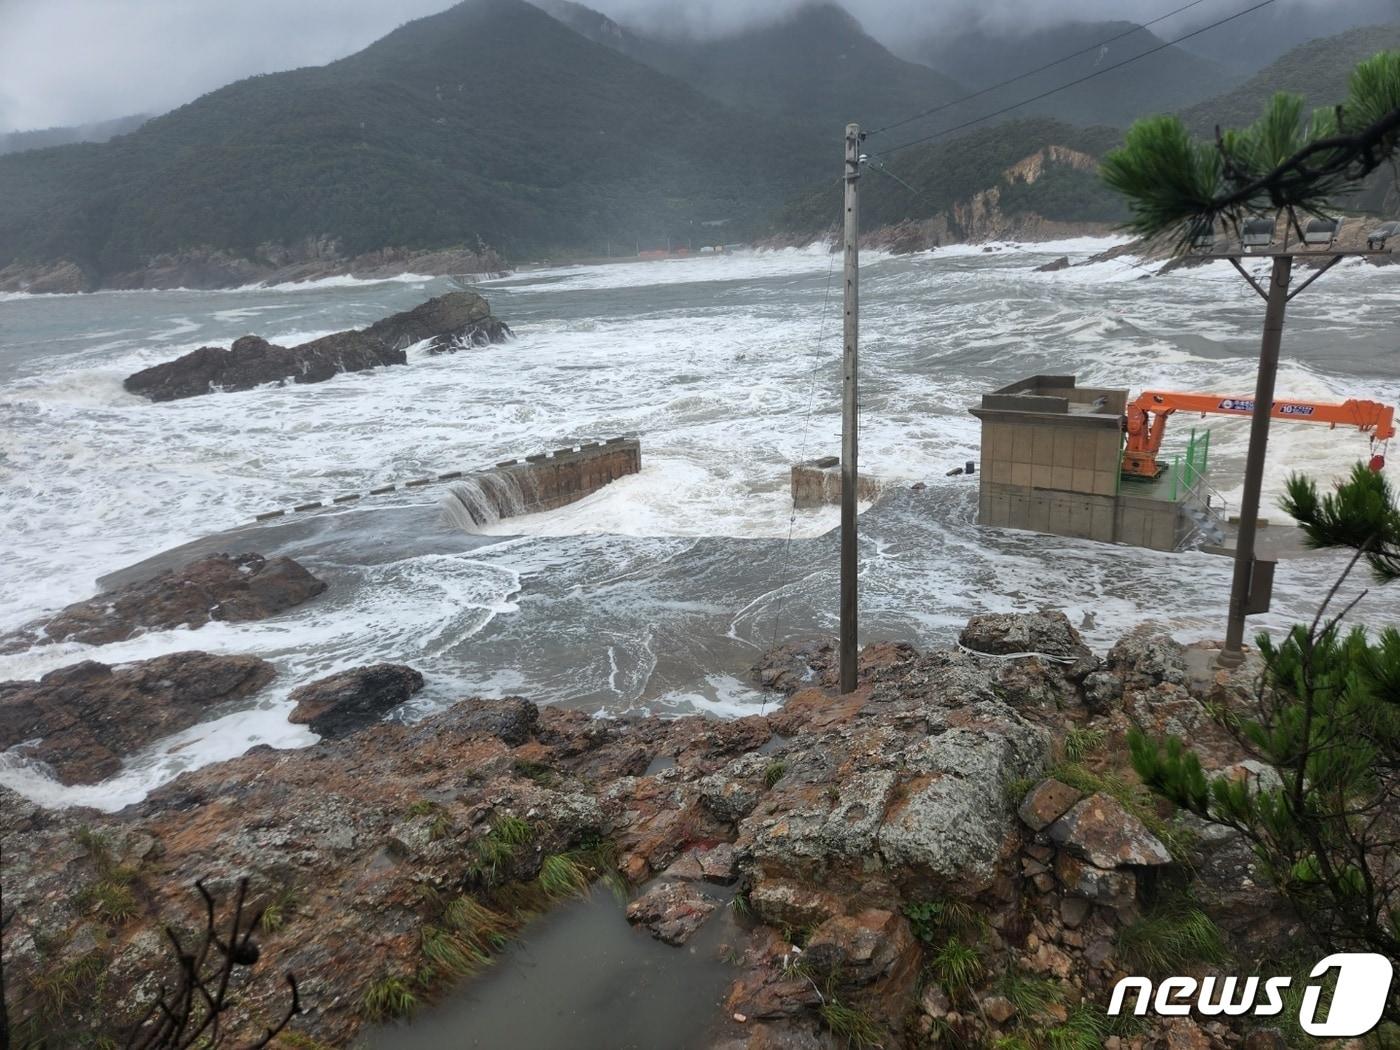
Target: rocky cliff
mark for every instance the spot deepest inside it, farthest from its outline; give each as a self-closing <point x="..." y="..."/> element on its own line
<point x="952" y="854"/>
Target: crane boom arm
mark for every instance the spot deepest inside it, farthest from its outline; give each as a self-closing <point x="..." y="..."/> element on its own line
<point x="1146" y="419"/>
<point x="1364" y="415"/>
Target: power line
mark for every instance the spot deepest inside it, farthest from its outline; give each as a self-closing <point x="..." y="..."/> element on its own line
<point x="1073" y="83"/>
<point x="1032" y="72"/>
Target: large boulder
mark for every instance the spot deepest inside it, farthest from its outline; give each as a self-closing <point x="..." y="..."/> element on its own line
<point x="222" y="587"/>
<point x="82" y="720"/>
<point x="1044" y="634"/>
<point x="345" y="703"/>
<point x="954" y="819"/>
<point x="449" y="321"/>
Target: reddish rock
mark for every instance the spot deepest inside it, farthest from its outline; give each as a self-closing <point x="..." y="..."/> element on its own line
<point x="1046" y="803"/>
<point x="221" y="587"/>
<point x="1101" y="831"/>
<point x="671" y="911"/>
<point x="87" y="717"/>
<point x="349" y="701"/>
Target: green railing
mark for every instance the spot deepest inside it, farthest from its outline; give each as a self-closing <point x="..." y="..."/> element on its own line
<point x="1192" y="468"/>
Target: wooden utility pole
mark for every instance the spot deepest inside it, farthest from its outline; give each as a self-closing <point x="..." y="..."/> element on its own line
<point x="850" y="407"/>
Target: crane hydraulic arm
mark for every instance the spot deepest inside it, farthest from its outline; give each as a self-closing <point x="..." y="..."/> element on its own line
<point x="1146" y="420"/>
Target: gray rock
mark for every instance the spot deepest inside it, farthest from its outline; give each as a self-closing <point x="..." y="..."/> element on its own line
<point x="955" y="818"/>
<point x="1147" y="656"/>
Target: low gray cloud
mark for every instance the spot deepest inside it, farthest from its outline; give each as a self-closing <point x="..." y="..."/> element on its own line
<point x="79" y="61"/>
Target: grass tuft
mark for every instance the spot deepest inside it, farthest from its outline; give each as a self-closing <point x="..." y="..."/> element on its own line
<point x="852" y="1025"/>
<point x="1172" y="935"/>
<point x="1032" y="996"/>
<point x="774" y="772"/>
<point x="280" y="909"/>
<point x="387" y="998"/>
<point x="1082" y="741"/>
<point x="512" y="830"/>
<point x="564" y="875"/>
<point x="957" y="965"/>
<point x="1083" y="1029"/>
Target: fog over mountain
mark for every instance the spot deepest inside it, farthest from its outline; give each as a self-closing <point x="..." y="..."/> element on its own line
<point x="146" y="56"/>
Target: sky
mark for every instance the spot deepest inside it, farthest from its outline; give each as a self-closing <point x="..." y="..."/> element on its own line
<point x="80" y="61"/>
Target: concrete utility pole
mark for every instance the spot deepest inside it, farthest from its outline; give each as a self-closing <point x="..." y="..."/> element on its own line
<point x="1243" y="584"/>
<point x="850" y="407"/>
<point x="1252" y="584"/>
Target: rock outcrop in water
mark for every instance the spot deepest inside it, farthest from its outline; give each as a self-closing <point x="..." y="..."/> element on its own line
<point x="222" y="587"/>
<point x="349" y="701"/>
<point x="83" y="720"/>
<point x="931" y="811"/>
<point x="450" y="321"/>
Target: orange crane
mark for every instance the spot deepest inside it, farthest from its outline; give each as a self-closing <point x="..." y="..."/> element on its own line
<point x="1146" y="421"/>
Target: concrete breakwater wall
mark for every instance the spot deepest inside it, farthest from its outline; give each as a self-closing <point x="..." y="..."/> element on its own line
<point x="818" y="482"/>
<point x="540" y="483"/>
<point x="516" y="486"/>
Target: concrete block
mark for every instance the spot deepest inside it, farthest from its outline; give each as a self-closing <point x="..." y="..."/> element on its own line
<point x="1105" y="482"/>
<point x="382" y="490"/>
<point x="1082" y="481"/>
<point x="351" y="498"/>
<point x="1062" y="477"/>
<point x="1020" y="474"/>
<point x="1043" y="446"/>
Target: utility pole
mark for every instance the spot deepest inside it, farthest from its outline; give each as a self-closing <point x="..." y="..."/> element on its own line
<point x="850" y="406"/>
<point x="1242" y="586"/>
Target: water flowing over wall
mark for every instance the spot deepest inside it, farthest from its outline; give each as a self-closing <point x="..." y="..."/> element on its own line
<point x="514" y="487"/>
<point x="539" y="483"/>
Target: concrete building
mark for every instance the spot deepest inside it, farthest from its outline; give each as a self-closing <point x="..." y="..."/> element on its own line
<point x="1052" y="462"/>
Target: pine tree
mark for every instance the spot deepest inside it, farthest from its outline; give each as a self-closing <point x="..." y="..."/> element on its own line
<point x="1326" y="832"/>
<point x="1288" y="161"/>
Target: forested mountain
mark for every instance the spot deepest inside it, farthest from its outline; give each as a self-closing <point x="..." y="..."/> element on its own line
<point x="814" y="66"/>
<point x="1318" y="70"/>
<point x="1166" y="80"/>
<point x="489" y="121"/>
<point x="101" y="131"/>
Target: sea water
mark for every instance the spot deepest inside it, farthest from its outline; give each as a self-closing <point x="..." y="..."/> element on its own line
<point x="659" y="592"/>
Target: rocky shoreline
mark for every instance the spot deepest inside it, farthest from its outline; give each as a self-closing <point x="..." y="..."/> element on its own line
<point x="207" y="269"/>
<point x="954" y="853"/>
